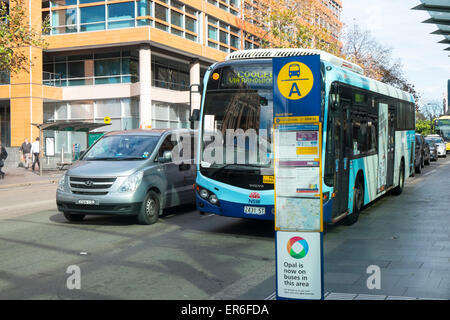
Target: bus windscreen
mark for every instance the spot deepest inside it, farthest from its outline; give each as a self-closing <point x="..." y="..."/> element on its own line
<point x="237" y="121"/>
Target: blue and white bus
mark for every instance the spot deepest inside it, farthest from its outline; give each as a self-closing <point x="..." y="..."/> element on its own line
<point x="367" y="146"/>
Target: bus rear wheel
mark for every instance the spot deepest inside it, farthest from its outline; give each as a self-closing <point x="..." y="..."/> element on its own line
<point x="358" y="202"/>
<point x="401" y="181"/>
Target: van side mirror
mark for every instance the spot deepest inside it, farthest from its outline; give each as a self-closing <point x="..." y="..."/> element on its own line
<point x="167" y="157"/>
<point x="82" y="153"/>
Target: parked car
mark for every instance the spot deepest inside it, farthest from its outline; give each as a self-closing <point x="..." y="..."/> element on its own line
<point x="440" y="144"/>
<point x="129" y="173"/>
<point x="433" y="149"/>
<point x="426" y="153"/>
<point x="419" y="161"/>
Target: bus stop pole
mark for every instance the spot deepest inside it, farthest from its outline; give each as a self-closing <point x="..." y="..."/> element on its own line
<point x="41" y="146"/>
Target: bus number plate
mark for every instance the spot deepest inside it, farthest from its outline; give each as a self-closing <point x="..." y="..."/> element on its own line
<point x="254" y="210"/>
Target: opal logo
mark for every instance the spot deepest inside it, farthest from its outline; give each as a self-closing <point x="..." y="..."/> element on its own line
<point x="254" y="198"/>
<point x="297" y="247"/>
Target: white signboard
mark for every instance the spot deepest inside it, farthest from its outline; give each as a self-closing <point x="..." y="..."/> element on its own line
<point x="50" y="146"/>
<point x="299" y="265"/>
<point x="297" y="181"/>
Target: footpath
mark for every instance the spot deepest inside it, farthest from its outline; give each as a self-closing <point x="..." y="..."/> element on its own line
<point x="17" y="177"/>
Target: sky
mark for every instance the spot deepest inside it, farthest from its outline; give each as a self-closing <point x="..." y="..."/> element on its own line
<point x="393" y="24"/>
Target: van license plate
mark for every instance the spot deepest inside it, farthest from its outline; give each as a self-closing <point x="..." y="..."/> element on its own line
<point x="255" y="210"/>
<point x="91" y="202"/>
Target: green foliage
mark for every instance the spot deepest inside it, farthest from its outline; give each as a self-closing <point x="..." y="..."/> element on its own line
<point x="16" y="34"/>
<point x="423" y="127"/>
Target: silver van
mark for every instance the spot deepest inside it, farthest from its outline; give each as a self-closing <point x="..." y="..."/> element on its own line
<point x="129" y="173"/>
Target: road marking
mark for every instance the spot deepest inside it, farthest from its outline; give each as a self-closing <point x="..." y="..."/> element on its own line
<point x="434" y="170"/>
<point x="356" y="296"/>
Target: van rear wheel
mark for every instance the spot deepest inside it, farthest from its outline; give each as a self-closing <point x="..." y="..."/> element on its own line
<point x="149" y="212"/>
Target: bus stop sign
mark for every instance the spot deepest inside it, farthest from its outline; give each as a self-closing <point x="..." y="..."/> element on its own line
<point x="298" y="184"/>
<point x="297" y="86"/>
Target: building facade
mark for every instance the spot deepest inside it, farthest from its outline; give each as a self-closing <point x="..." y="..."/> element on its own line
<point x="133" y="61"/>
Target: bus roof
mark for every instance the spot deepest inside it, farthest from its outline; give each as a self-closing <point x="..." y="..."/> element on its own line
<point x="290" y="52"/>
<point x="354" y="77"/>
<point x="443" y="117"/>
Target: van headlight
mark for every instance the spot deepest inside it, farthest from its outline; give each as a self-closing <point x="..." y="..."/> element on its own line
<point x="132" y="182"/>
<point x="62" y="184"/>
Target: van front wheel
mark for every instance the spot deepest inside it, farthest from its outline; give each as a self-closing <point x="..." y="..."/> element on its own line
<point x="149" y="213"/>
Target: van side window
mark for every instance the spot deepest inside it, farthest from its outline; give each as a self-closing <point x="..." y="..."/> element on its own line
<point x="167" y="145"/>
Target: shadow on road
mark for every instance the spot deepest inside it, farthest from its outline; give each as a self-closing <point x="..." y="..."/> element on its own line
<point x="115" y="220"/>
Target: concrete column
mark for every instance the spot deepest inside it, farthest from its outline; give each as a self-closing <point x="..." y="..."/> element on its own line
<point x="195" y="80"/>
<point x="26" y="105"/>
<point x="145" y="83"/>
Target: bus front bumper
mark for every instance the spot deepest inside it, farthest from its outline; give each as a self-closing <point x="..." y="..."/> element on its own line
<point x="233" y="209"/>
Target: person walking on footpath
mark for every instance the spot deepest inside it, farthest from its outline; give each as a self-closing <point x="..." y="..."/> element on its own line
<point x="35" y="149"/>
<point x="3" y="156"/>
<point x="25" y="148"/>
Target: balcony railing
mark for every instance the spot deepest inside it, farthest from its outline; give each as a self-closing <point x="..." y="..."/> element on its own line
<point x="53" y="79"/>
<point x="170" y="85"/>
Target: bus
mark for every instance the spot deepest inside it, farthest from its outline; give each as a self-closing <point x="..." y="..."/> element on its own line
<point x="442" y="128"/>
<point x="368" y="137"/>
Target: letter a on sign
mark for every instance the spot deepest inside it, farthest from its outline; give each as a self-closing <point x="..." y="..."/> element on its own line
<point x="295" y="90"/>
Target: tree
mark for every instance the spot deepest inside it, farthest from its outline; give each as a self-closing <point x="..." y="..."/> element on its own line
<point x="289" y="24"/>
<point x="423" y="127"/>
<point x="15" y="34"/>
<point x="431" y="110"/>
<point x="360" y="47"/>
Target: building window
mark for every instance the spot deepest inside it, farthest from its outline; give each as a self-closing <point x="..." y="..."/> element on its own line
<point x="231" y="6"/>
<point x="223" y="36"/>
<point x="92" y="18"/>
<point x="121" y="15"/>
<point x="170" y="16"/>
<point x="170" y="74"/>
<point x="64" y="21"/>
<point x="92" y="68"/>
<point x="172" y="116"/>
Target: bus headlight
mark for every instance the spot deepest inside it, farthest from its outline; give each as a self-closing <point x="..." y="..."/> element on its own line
<point x="207" y="195"/>
<point x="204" y="193"/>
<point x="213" y="199"/>
<point x="132" y="182"/>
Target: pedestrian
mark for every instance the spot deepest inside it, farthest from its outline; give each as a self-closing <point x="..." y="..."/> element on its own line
<point x="3" y="156"/>
<point x="35" y="149"/>
<point x="25" y="148"/>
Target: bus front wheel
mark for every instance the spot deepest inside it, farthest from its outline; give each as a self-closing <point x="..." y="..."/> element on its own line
<point x="358" y="202"/>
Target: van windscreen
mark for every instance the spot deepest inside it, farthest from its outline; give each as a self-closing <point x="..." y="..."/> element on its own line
<point x="122" y="147"/>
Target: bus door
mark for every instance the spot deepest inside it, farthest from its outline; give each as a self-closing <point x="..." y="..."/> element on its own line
<point x="341" y="134"/>
<point x="391" y="148"/>
<point x="382" y="146"/>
